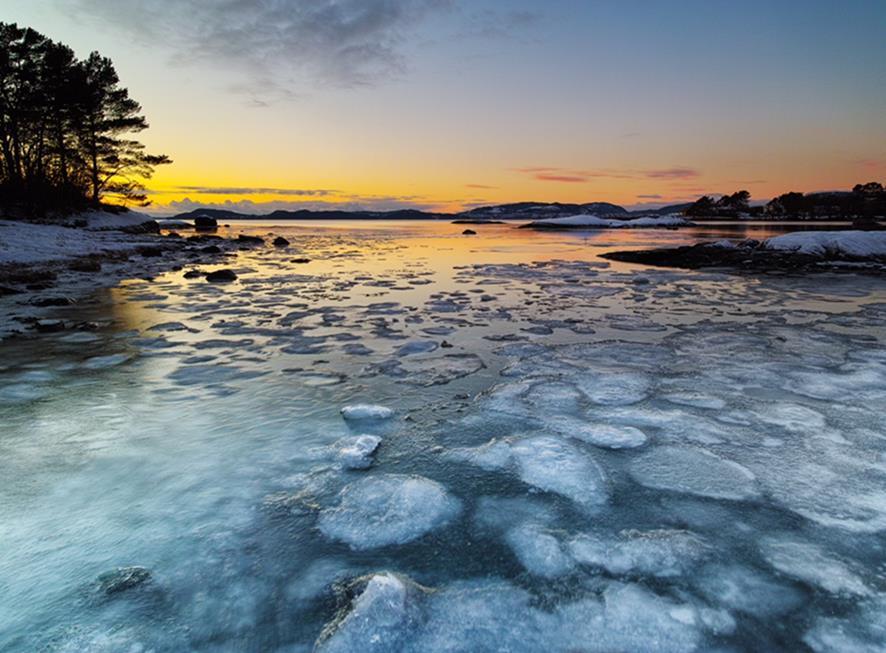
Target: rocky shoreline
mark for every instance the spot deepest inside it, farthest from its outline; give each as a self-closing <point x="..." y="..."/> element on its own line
<point x="35" y="283"/>
<point x="800" y="252"/>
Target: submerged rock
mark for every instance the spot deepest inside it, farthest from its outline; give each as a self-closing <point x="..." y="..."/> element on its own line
<point x="122" y="579"/>
<point x="280" y="241"/>
<point x="243" y="239"/>
<point x="221" y="276"/>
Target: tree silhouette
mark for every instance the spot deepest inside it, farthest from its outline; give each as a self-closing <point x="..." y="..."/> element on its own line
<point x="66" y="128"/>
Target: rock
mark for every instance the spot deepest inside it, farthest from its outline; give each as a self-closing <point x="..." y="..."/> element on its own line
<point x="205" y="223"/>
<point x="49" y="326"/>
<point x="446" y="344"/>
<point x="173" y="234"/>
<point x="122" y="579"/>
<point x="193" y="274"/>
<point x="149" y="252"/>
<point x="468" y="232"/>
<point x="243" y="239"/>
<point x="149" y="227"/>
<point x="300" y="260"/>
<point x="280" y="241"/>
<point x="51" y="301"/>
<point x="211" y="249"/>
<point x="221" y="276"/>
<point x="85" y="265"/>
<point x="8" y="291"/>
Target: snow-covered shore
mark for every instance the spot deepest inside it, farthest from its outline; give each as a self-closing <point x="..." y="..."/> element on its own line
<point x="588" y="221"/>
<point x="45" y="265"/>
<point x="798" y="251"/>
<point x="29" y="243"/>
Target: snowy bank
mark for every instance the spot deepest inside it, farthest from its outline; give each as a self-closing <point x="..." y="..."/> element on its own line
<point x="831" y="244"/>
<point x="35" y="243"/>
<point x="863" y="251"/>
<point x="46" y="265"/>
<point x="588" y="221"/>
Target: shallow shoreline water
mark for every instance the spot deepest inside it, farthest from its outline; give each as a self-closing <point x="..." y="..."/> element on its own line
<point x="602" y="456"/>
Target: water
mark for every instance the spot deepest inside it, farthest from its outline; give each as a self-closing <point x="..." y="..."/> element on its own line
<point x="607" y="457"/>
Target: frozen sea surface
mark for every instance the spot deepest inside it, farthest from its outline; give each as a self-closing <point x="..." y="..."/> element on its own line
<point x="418" y="441"/>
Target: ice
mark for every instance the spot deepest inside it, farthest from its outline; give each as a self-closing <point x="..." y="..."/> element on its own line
<point x="695" y="400"/>
<point x="745" y="590"/>
<point x="102" y="362"/>
<point x="813" y="565"/>
<point x="495" y="455"/>
<point x="539" y="551"/>
<point x="489" y="616"/>
<point x="382" y="618"/>
<point x="863" y="632"/>
<point x="694" y="471"/>
<point x="366" y="413"/>
<point x="792" y="417"/>
<point x="631" y="618"/>
<point x="615" y="388"/>
<point x="356" y="452"/>
<point x="661" y="553"/>
<point x="552" y="465"/>
<point x="388" y="509"/>
<point x="610" y="436"/>
<point x="417" y="347"/>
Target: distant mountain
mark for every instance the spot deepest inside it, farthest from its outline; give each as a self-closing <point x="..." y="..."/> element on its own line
<point x="306" y="214"/>
<point x="542" y="210"/>
<point x="515" y="211"/>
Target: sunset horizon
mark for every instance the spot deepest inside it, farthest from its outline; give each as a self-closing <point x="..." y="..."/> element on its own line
<point x="434" y="105"/>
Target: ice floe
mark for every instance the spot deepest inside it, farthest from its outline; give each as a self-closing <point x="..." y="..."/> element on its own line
<point x="388" y="509"/>
<point x="694" y="471"/>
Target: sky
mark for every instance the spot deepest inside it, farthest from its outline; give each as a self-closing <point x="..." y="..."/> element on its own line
<point x="451" y="104"/>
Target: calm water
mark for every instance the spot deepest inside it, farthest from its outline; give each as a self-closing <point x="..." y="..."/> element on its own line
<point x="602" y="456"/>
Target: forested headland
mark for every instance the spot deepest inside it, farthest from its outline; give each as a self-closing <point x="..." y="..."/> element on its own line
<point x="67" y="129"/>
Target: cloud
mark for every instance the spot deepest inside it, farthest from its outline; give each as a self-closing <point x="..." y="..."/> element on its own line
<point x="581" y="176"/>
<point x="498" y="24"/>
<point x="650" y="197"/>
<point x="276" y="43"/>
<point x="480" y="186"/>
<point x="249" y="190"/>
<point x="572" y="179"/>
<point x="672" y="173"/>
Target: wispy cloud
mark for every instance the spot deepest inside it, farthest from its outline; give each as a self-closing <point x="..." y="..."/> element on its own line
<point x="570" y="179"/>
<point x="338" y="42"/>
<point x="581" y="176"/>
<point x="672" y="173"/>
<point x="250" y="190"/>
<point x="480" y="186"/>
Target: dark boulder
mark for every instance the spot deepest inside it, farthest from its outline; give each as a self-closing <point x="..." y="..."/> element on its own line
<point x="280" y="241"/>
<point x="193" y="274"/>
<point x="85" y="265"/>
<point x="149" y="227"/>
<point x="243" y="239"/>
<point x="468" y="232"/>
<point x="205" y="223"/>
<point x="221" y="276"/>
<point x="150" y="252"/>
<point x="301" y="260"/>
<point x="211" y="249"/>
